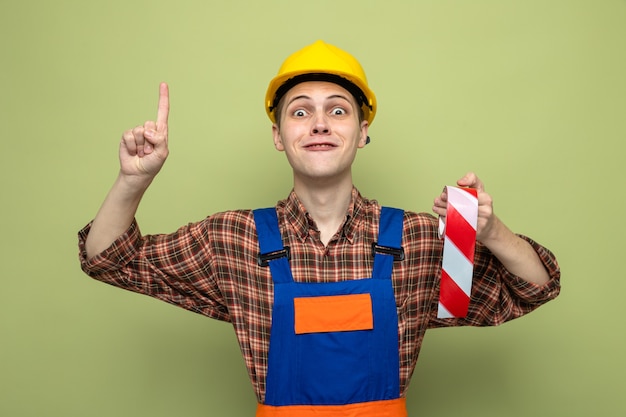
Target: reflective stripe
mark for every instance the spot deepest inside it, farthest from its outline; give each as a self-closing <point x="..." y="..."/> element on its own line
<point x="386" y="408"/>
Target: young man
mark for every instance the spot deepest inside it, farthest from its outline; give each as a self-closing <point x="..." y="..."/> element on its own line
<point x="329" y="294"/>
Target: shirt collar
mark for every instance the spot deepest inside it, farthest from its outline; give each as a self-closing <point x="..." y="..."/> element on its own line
<point x="302" y="224"/>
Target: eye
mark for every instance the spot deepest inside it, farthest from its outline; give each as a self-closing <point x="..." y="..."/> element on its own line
<point x="299" y="113"/>
<point x="338" y="111"/>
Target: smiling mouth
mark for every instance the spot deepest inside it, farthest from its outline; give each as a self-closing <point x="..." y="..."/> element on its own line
<point x="320" y="146"/>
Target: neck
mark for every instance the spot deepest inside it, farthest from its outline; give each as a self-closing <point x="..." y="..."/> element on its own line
<point x="326" y="204"/>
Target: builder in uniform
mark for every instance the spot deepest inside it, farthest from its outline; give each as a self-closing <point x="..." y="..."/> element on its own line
<point x="329" y="293"/>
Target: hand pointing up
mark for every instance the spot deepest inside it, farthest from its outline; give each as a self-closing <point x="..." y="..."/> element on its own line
<point x="144" y="149"/>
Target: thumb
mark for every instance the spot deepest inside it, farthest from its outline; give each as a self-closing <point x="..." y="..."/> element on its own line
<point x="154" y="140"/>
<point x="470" y="180"/>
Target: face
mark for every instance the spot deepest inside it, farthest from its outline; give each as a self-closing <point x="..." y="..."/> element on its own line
<point x="320" y="131"/>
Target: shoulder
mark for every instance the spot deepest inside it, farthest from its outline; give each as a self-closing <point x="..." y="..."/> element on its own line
<point x="231" y="224"/>
<point x="230" y="218"/>
<point x="421" y="223"/>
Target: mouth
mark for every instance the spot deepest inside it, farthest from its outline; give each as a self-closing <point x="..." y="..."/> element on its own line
<point x="320" y="146"/>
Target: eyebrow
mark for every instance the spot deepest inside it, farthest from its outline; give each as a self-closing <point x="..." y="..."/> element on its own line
<point x="305" y="97"/>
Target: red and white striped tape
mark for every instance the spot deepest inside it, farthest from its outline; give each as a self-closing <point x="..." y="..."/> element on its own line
<point x="458" y="252"/>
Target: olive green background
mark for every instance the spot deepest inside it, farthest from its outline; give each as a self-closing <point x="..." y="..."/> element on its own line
<point x="530" y="94"/>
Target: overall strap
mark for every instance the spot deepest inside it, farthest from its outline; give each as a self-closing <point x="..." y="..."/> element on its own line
<point x="389" y="246"/>
<point x="272" y="253"/>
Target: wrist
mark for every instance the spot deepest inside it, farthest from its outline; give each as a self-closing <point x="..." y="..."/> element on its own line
<point x="132" y="184"/>
<point x="495" y="234"/>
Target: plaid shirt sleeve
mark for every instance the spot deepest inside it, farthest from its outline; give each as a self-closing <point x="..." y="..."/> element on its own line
<point x="175" y="268"/>
<point x="499" y="296"/>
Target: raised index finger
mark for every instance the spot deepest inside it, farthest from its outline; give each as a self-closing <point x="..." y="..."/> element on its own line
<point x="163" y="110"/>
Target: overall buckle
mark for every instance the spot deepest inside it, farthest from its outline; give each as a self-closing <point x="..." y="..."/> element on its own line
<point x="397" y="253"/>
<point x="264" y="258"/>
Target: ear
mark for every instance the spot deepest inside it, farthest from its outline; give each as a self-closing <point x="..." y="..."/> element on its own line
<point x="278" y="142"/>
<point x="364" y="129"/>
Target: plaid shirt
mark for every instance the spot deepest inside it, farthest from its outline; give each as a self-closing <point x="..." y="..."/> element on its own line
<point x="210" y="267"/>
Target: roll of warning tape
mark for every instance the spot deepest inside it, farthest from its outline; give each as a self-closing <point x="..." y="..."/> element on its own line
<point x="459" y="233"/>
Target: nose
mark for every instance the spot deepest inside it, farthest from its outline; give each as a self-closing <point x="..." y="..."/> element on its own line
<point x="320" y="125"/>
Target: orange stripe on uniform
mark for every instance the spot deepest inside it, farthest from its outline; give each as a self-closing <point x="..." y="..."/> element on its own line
<point x="385" y="408"/>
<point x="333" y="313"/>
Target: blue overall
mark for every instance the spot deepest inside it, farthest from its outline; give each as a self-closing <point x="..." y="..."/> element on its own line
<point x="332" y="367"/>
